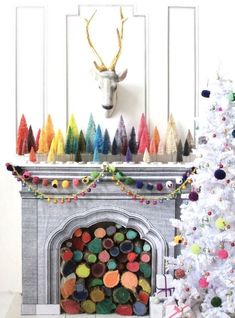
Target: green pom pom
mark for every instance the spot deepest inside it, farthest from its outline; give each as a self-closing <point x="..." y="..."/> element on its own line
<point x="94" y="174"/>
<point x="220" y="223"/>
<point x="216" y="301"/>
<point x="195" y="249"/>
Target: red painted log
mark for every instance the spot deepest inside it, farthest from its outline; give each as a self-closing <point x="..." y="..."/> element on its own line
<point x="107" y="243"/>
<point x="133" y="266"/>
<point x="124" y="310"/>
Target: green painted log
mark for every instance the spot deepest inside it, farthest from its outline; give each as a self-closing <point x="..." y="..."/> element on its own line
<point x="146" y="247"/>
<point x="105" y="307"/>
<point x="145" y="269"/>
<point x="119" y="237"/>
<point x="121" y="295"/>
<point x="96" y="282"/>
<point x="95" y="246"/>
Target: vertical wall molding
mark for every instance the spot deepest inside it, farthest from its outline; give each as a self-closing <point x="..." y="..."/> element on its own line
<point x="192" y="12"/>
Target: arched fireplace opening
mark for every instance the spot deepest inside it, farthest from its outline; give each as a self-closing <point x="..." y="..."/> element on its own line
<point x="61" y="240"/>
<point x="105" y="268"/>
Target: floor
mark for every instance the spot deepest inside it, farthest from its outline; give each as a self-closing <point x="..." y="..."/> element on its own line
<point x="10" y="308"/>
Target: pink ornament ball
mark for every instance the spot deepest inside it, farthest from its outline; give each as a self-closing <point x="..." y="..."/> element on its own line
<point x="222" y="254"/>
<point x="203" y="283"/>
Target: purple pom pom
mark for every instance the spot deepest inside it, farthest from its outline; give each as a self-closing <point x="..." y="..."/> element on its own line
<point x="9" y="167"/>
<point x="206" y="93"/>
<point x="193" y="196"/>
<point x="159" y="186"/>
<point x="139" y="184"/>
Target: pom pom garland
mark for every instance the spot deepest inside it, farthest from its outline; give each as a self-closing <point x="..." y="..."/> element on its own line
<point x="220" y="174"/>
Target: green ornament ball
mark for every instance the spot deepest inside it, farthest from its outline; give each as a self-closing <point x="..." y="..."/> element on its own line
<point x="216" y="301"/>
<point x="220" y="224"/>
<point x="195" y="249"/>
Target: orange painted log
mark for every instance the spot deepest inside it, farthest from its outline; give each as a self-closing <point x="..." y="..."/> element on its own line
<point x="111" y="279"/>
<point x="100" y="232"/>
<point x="129" y="280"/>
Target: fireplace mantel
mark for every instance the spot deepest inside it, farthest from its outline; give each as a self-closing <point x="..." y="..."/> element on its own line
<point x="45" y="225"/>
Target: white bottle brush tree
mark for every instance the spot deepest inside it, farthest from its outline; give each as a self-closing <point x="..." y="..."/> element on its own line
<point x="205" y="269"/>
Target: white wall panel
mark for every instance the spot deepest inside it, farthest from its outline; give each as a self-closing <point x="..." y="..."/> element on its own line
<point x="182" y="48"/>
<point x="30" y="44"/>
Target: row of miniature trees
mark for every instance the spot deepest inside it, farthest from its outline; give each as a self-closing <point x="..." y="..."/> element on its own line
<point x="94" y="143"/>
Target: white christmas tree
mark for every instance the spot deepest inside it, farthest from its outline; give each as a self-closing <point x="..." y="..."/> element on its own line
<point x="205" y="269"/>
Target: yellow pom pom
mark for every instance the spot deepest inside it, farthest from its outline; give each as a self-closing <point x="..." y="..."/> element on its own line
<point x="195" y="249"/>
<point x="178" y="239"/>
<point x="65" y="184"/>
<point x="220" y="223"/>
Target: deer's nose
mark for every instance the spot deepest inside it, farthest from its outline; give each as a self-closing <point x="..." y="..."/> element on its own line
<point x="107" y="107"/>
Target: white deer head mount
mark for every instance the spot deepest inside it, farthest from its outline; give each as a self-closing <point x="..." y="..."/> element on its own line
<point x="107" y="77"/>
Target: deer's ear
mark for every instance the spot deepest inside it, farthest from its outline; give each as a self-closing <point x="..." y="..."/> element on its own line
<point x="94" y="73"/>
<point x="122" y="75"/>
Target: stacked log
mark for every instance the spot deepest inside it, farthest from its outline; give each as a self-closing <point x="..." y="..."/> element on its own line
<point x="105" y="269"/>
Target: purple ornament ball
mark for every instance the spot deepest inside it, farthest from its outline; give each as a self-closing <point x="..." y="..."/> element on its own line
<point x="220" y="174"/>
<point x="193" y="196"/>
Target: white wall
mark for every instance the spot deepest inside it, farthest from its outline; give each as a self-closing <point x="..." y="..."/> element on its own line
<point x="42" y="90"/>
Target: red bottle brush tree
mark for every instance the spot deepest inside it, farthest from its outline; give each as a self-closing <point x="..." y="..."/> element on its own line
<point x="37" y="139"/>
<point x="22" y="134"/>
<point x="142" y="126"/>
<point x="144" y="141"/>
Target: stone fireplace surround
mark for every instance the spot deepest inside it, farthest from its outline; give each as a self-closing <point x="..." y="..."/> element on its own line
<point x="45" y="226"/>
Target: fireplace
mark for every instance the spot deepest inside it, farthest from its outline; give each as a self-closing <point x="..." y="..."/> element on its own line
<point x="47" y="226"/>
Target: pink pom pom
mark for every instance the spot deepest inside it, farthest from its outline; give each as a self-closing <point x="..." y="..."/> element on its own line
<point x="36" y="180"/>
<point x="75" y="182"/>
<point x="222" y="254"/>
<point x="26" y="175"/>
<point x="203" y="283"/>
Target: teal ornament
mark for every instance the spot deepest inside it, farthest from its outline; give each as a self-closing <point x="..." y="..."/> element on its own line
<point x="233" y="133"/>
<point x="231" y="97"/>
